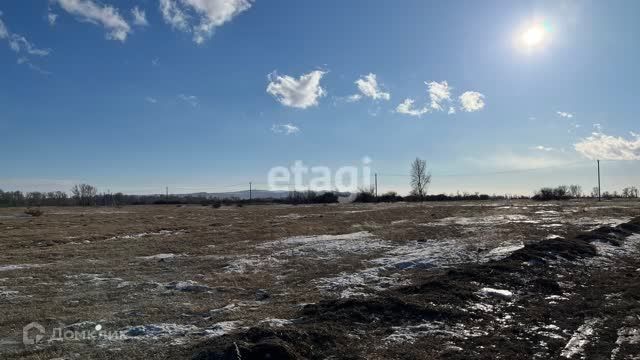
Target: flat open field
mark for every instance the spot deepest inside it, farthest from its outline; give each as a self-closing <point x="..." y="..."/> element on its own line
<point x="510" y="280"/>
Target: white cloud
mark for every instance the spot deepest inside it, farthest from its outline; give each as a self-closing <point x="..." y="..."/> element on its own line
<point x="368" y="86"/>
<point x="155" y="61"/>
<point x="301" y="93"/>
<point x="139" y="17"/>
<point x="21" y="46"/>
<point x="406" y="107"/>
<point x="25" y="61"/>
<point x="542" y="148"/>
<point x="286" y="129"/>
<point x="51" y="17"/>
<point x="564" y="114"/>
<point x="472" y="101"/>
<point x="354" y="98"/>
<point x="451" y="111"/>
<point x="208" y="14"/>
<point x="105" y="15"/>
<point x="4" y="33"/>
<point x="19" y="43"/>
<point x="605" y="147"/>
<point x="190" y="99"/>
<point x="439" y="92"/>
<point x="173" y="15"/>
<point x="151" y="100"/>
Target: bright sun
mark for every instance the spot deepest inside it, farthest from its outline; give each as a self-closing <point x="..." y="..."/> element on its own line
<point x="533" y="36"/>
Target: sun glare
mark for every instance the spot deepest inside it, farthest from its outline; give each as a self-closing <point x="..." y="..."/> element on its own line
<point x="533" y="36"/>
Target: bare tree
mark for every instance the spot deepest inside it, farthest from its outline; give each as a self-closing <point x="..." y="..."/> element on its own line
<point x="630" y="192"/>
<point x="84" y="194"/>
<point x="575" y="191"/>
<point x="420" y="178"/>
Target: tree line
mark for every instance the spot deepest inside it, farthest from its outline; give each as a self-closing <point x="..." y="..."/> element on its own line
<point x="420" y="179"/>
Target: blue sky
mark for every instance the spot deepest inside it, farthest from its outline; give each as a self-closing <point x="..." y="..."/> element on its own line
<point x="205" y="94"/>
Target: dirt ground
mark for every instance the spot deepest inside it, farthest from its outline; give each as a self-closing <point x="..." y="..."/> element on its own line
<point x="486" y="280"/>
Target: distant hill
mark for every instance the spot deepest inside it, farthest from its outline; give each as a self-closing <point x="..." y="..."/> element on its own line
<point x="244" y="194"/>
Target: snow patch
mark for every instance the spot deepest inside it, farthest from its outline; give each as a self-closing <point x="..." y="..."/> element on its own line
<point x="487" y="291"/>
<point x="356" y="284"/>
<point x="487" y="220"/>
<point x="626" y="335"/>
<point x="581" y="337"/>
<point x="409" y="334"/>
<point x="187" y="286"/>
<point x="276" y="322"/>
<point x="160" y="256"/>
<point x="19" y="267"/>
<point x="252" y="264"/>
<point x="145" y="234"/>
<point x="292" y="216"/>
<point x="327" y="246"/>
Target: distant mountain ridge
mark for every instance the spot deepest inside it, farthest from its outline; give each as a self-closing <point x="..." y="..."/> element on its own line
<point x="242" y="194"/>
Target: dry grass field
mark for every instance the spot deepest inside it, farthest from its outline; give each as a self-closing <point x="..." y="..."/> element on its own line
<point x="513" y="279"/>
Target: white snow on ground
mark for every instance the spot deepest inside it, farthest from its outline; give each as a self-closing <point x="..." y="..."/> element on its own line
<point x="551" y="331"/>
<point x="553" y="236"/>
<point x="252" y="263"/>
<point x="414" y="255"/>
<point x="607" y="253"/>
<point x="241" y="305"/>
<point x="20" y="267"/>
<point x="547" y="212"/>
<point x="626" y="335"/>
<point x="400" y="222"/>
<point x="327" y="246"/>
<point x="495" y="292"/>
<point x="160" y="256"/>
<point x="145" y="234"/>
<point x="486" y="220"/>
<point x="431" y="253"/>
<point x="222" y="328"/>
<point x="546" y="218"/>
<point x="503" y="251"/>
<point x="356" y="284"/>
<point x="409" y="334"/>
<point x="581" y="337"/>
<point x="163" y="330"/>
<point x="292" y="216"/>
<point x="94" y="278"/>
<point x="594" y="223"/>
<point x="424" y="254"/>
<point x="276" y="322"/>
<point x="187" y="286"/>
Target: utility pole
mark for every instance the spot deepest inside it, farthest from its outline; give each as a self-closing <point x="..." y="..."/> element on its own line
<point x="167" y="192"/>
<point x="249" y="190"/>
<point x="599" y="194"/>
<point x="376" y="182"/>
